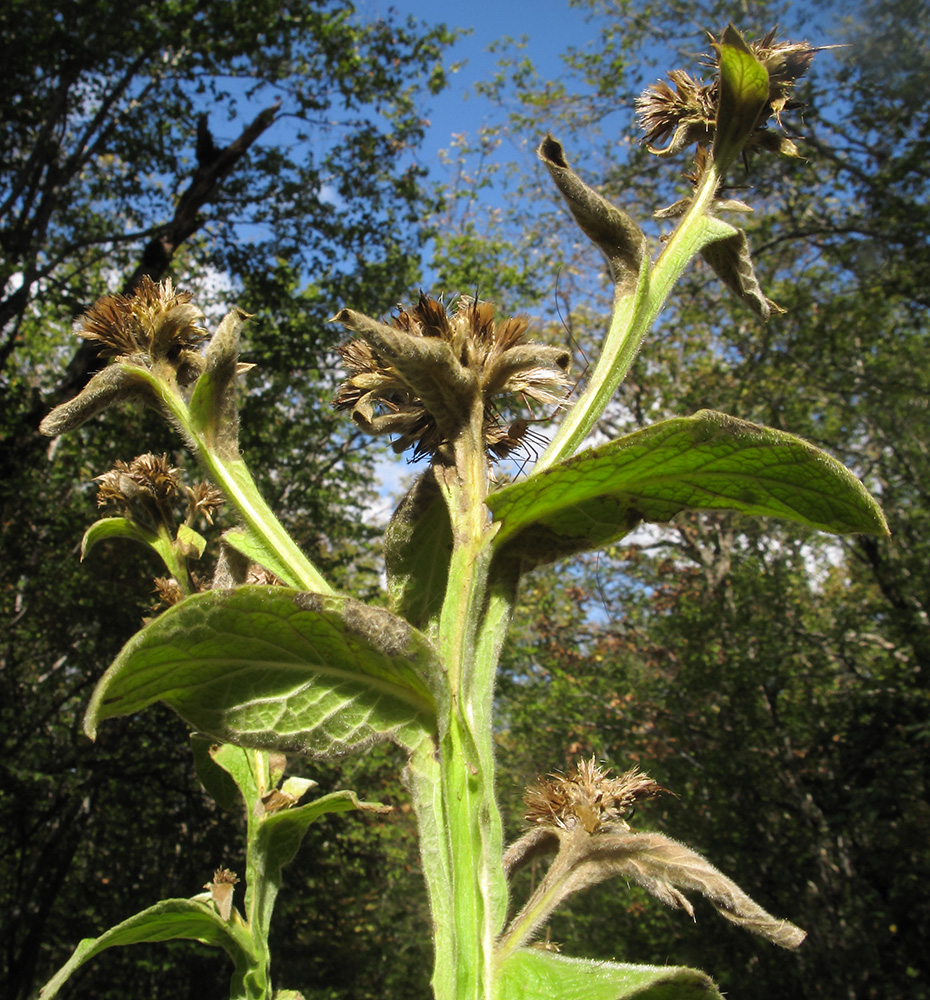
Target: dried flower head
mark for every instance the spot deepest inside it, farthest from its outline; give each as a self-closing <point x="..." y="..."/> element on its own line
<point x="156" y="321"/>
<point x="205" y="499"/>
<point x="588" y="796"/>
<point x="148" y="476"/>
<point x="420" y="378"/>
<point x="579" y="818"/>
<point x="168" y="590"/>
<point x="221" y="889"/>
<point x="685" y="113"/>
<point x="156" y="328"/>
<point x="689" y="112"/>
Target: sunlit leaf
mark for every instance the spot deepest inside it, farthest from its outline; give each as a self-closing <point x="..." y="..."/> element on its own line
<point x="417" y="551"/>
<point x="744" y="93"/>
<point x="278" y="669"/>
<point x="705" y="462"/>
<point x="117" y="527"/>
<point x="167" y="920"/>
<point x="535" y="974"/>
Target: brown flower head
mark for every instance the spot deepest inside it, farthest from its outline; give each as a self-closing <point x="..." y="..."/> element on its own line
<point x="168" y="590"/>
<point x="156" y="328"/>
<point x="579" y="820"/>
<point x="420" y="378"/>
<point x="205" y="499"/>
<point x="145" y="489"/>
<point x="155" y="323"/>
<point x="589" y="797"/>
<point x="148" y="477"/>
<point x="221" y="889"/>
<point x="688" y="112"/>
<point x="685" y="113"/>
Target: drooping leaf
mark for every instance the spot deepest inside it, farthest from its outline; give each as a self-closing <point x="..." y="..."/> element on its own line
<point x="285" y="829"/>
<point x="732" y="263"/>
<point x="535" y="974"/>
<point x="705" y="462"/>
<point x="118" y="527"/>
<point x="417" y="551"/>
<point x="612" y="230"/>
<point x="213" y="408"/>
<point x="168" y="920"/>
<point x="278" y="669"/>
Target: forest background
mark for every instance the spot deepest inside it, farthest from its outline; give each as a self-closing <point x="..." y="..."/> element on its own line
<point x="276" y="156"/>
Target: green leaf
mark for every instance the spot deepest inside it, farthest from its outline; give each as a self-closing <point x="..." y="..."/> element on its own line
<point x="213" y="409"/>
<point x="534" y="974"/>
<point x="252" y="547"/>
<point x="167" y="920"/>
<point x="191" y="542"/>
<point x="283" y="830"/>
<point x="417" y="551"/>
<point x="118" y="527"/>
<point x="217" y="781"/>
<point x="732" y="263"/>
<point x="615" y="233"/>
<point x="744" y="93"/>
<point x="705" y="462"/>
<point x="278" y="669"/>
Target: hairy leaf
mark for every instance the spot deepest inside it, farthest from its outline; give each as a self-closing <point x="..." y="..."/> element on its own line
<point x="705" y="462"/>
<point x="615" y="233"/>
<point x="732" y="263"/>
<point x="278" y="669"/>
<point x="534" y="974"/>
<point x="744" y="93"/>
<point x="168" y="920"/>
<point x="249" y="544"/>
<point x="417" y="551"/>
<point x="119" y="527"/>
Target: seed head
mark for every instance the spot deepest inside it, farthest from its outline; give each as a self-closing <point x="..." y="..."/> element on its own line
<point x="155" y="322"/>
<point x="686" y="111"/>
<point x="148" y="475"/>
<point x="588" y="796"/>
<point x="419" y="378"/>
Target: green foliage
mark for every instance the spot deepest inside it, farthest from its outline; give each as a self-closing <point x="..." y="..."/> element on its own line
<point x="785" y="712"/>
<point x="702" y="462"/>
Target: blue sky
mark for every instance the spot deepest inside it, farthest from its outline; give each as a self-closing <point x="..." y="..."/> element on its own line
<point x="550" y="26"/>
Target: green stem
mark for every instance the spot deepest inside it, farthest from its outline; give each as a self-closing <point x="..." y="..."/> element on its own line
<point x="632" y="318"/>
<point x="260" y="890"/>
<point x="234" y="479"/>
<point x="468" y="820"/>
<point x="174" y="562"/>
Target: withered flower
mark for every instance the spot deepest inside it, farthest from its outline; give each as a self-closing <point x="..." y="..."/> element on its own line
<point x="168" y="590"/>
<point x="421" y="378"/>
<point x="140" y="487"/>
<point x="205" y="499"/>
<point x="156" y="328"/>
<point x="221" y="890"/>
<point x="144" y="490"/>
<point x="153" y="323"/>
<point x="581" y="819"/>
<point x="685" y="113"/>
<point x="688" y="113"/>
<point x="589" y="796"/>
